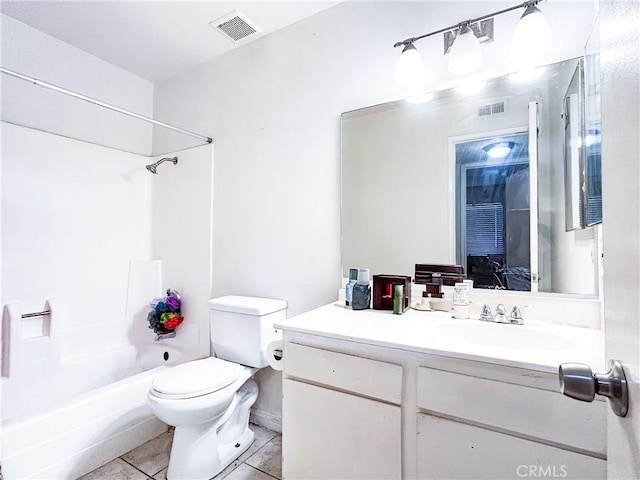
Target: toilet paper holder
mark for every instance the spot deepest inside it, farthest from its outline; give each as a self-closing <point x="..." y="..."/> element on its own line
<point x="275" y="354"/>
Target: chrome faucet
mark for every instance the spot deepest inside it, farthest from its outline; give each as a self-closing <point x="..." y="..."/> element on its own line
<point x="514" y="318"/>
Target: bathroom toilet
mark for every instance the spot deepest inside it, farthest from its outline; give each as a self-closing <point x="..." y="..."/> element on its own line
<point x="208" y="400"/>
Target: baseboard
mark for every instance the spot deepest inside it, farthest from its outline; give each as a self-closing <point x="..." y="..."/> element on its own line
<point x="267" y="420"/>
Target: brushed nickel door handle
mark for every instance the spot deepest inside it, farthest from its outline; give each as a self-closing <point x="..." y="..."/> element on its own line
<point x="578" y="381"/>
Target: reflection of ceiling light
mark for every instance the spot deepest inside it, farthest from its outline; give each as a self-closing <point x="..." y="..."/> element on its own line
<point x="592" y="137"/>
<point x="409" y="69"/>
<point x="499" y="150"/>
<point x="420" y="98"/>
<point x="465" y="55"/>
<point x="527" y="75"/>
<point x="470" y="85"/>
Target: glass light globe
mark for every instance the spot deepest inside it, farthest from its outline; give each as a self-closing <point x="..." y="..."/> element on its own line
<point x="465" y="55"/>
<point x="500" y="150"/>
<point x="409" y="72"/>
<point x="531" y="38"/>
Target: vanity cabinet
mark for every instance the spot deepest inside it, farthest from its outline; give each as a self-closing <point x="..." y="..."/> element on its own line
<point x="470" y="427"/>
<point x="352" y="410"/>
<point x="341" y="416"/>
<point x="449" y="449"/>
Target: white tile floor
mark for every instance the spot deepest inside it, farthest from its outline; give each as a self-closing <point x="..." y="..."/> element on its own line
<point x="262" y="461"/>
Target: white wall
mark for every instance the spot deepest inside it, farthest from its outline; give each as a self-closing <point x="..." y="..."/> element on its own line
<point x="182" y="229"/>
<point x="36" y="54"/>
<point x="73" y="215"/>
<point x="273" y="108"/>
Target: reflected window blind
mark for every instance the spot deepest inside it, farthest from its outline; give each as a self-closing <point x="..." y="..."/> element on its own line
<point x="485" y="229"/>
<point x="594" y="209"/>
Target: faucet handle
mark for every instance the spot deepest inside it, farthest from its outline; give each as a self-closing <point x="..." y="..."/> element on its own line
<point x="486" y="315"/>
<point x="500" y="314"/>
<point x="515" y="317"/>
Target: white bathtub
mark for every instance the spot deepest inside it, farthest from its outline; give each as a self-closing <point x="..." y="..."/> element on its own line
<point x="79" y="435"/>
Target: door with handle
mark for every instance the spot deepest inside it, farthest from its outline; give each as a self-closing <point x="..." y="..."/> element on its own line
<point x="620" y="81"/>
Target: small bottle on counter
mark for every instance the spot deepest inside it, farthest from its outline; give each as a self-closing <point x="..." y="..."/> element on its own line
<point x="348" y="288"/>
<point x="361" y="297"/>
<point x="398" y="299"/>
<point x="461" y="293"/>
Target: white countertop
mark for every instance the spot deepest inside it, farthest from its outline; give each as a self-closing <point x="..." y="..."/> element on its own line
<point x="541" y="347"/>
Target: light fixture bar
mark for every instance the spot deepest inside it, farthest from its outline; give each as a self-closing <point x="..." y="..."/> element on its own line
<point x="483" y="30"/>
<point x="526" y="4"/>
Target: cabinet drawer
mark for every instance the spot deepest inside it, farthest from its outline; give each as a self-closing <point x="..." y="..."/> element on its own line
<point x="334" y="435"/>
<point x="363" y="376"/>
<point x="452" y="450"/>
<point x="528" y="411"/>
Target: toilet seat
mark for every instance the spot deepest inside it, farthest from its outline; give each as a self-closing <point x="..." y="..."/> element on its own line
<point x="196" y="378"/>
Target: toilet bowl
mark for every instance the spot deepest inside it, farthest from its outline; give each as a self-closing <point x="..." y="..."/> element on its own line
<point x="208" y="401"/>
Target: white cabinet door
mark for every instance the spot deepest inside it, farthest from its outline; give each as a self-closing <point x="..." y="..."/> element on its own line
<point x="453" y="450"/>
<point x="333" y="435"/>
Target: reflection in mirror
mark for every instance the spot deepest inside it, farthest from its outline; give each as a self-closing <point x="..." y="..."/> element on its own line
<point x="574" y="151"/>
<point x="492" y="211"/>
<point x="592" y="138"/>
<point x="424" y="183"/>
<point x="583" y="171"/>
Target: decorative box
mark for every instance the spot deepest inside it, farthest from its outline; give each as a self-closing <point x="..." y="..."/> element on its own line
<point x="383" y="289"/>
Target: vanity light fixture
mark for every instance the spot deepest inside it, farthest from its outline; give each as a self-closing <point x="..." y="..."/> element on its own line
<point x="499" y="150"/>
<point x="409" y="72"/>
<point x="465" y="53"/>
<point x="531" y="37"/>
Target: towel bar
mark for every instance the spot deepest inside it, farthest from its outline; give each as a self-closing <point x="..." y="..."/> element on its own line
<point x="36" y="314"/>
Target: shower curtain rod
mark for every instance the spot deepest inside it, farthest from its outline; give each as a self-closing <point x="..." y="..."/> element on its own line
<point x="102" y="104"/>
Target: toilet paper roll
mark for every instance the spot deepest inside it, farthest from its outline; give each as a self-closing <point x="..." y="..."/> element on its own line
<point x="274" y="354"/>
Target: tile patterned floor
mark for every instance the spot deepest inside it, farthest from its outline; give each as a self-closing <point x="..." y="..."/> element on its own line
<point x="261" y="461"/>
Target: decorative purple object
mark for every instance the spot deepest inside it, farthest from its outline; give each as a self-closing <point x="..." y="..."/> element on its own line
<point x="173" y="303"/>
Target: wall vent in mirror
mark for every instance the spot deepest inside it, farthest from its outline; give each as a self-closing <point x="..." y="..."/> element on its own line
<point x="492" y="108"/>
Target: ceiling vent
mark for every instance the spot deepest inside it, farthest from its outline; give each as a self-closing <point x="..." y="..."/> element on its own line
<point x="493" y="108"/>
<point x="236" y="27"/>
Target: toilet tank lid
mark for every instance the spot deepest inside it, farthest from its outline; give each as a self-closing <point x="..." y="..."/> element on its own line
<point x="247" y="305"/>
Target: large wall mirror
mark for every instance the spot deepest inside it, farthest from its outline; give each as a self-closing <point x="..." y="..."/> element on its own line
<point x="477" y="179"/>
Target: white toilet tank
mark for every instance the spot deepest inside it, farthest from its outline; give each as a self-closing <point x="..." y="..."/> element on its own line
<point x="242" y="327"/>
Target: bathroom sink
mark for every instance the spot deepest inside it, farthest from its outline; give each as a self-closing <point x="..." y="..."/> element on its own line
<point x="506" y="336"/>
